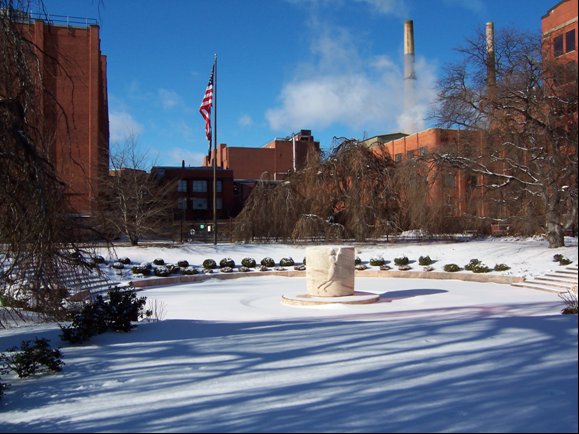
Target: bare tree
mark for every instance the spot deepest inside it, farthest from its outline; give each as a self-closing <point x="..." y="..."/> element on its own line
<point x="522" y="120"/>
<point x="133" y="202"/>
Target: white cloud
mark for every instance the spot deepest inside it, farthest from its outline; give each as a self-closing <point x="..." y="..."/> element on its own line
<point x="122" y="125"/>
<point x="245" y="121"/>
<point x="341" y="86"/>
<point x="169" y="99"/>
<point x="476" y="6"/>
<point x="387" y="7"/>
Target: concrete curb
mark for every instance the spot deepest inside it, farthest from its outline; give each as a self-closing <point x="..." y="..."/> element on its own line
<point x="436" y="275"/>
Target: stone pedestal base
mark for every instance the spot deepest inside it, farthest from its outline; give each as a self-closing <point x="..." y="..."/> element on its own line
<point x="358" y="297"/>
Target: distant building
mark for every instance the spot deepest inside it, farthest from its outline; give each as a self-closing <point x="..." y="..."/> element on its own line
<point x="452" y="188"/>
<point x="559" y="28"/>
<point x="193" y="192"/>
<point x="273" y="161"/>
<point x="73" y="106"/>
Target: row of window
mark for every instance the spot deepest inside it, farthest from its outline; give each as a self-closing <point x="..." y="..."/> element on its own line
<point x="198" y="203"/>
<point x="422" y="152"/>
<point x="564" y="43"/>
<point x="197" y="185"/>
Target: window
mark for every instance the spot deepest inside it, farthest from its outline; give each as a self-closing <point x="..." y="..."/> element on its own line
<point x="219" y="186"/>
<point x="423" y="151"/>
<point x="219" y="203"/>
<point x="398" y="157"/>
<point x="182" y="203"/>
<point x="449" y="180"/>
<point x="558" y="45"/>
<point x="199" y="186"/>
<point x="182" y="186"/>
<point x="198" y="203"/>
<point x="410" y="154"/>
<point x="570" y="41"/>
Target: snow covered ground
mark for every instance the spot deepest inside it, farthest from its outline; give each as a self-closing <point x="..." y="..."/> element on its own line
<point x="430" y="356"/>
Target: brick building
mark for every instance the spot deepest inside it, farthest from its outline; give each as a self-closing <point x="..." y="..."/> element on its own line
<point x="559" y="29"/>
<point x="453" y="188"/>
<point x="273" y="161"/>
<point x="73" y="107"/>
<point x="193" y="192"/>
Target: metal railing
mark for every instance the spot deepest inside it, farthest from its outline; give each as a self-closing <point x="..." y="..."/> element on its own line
<point x="64" y="20"/>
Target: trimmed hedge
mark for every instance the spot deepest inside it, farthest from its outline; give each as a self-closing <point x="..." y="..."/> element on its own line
<point x="268" y="262"/>
<point x="248" y="262"/>
<point x="227" y="262"/>
<point x="209" y="264"/>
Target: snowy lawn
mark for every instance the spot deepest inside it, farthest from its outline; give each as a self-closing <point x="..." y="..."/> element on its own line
<point x="430" y="356"/>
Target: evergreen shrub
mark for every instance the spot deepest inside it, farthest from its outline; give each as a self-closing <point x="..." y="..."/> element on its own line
<point x="286" y="262"/>
<point x="268" y="262"/>
<point x="227" y="262"/>
<point x="33" y="357"/>
<point x="209" y="264"/>
<point x="248" y="262"/>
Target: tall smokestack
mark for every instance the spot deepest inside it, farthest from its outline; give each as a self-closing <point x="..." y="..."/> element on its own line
<point x="491" y="72"/>
<point x="409" y="73"/>
<point x="409" y="77"/>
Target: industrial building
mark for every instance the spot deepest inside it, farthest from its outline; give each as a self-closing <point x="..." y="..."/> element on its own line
<point x="73" y="110"/>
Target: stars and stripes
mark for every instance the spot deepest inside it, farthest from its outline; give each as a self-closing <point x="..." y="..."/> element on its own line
<point x="206" y="104"/>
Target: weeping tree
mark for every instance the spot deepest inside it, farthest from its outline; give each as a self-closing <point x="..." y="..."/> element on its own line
<point x="521" y="121"/>
<point x="348" y="194"/>
<point x="35" y="232"/>
<point x="414" y="180"/>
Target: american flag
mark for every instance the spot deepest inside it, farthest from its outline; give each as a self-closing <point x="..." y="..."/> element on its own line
<point x="206" y="105"/>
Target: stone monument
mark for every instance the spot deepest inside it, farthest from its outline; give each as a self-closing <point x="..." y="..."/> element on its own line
<point x="330" y="278"/>
<point x="330" y="271"/>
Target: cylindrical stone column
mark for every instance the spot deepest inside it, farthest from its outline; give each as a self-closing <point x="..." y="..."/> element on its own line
<point x="330" y="271"/>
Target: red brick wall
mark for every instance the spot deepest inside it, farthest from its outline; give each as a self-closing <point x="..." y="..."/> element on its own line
<point x="271" y="161"/>
<point x="74" y="106"/>
<point x="558" y="21"/>
<point x="174" y="174"/>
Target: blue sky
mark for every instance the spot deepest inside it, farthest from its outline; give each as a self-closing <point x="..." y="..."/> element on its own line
<point x="331" y="66"/>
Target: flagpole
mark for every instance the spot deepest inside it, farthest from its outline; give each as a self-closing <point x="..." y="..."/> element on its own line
<point x="215" y="152"/>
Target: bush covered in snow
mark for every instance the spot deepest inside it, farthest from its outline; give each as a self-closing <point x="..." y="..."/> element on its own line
<point x="268" y="262"/>
<point x="286" y="262"/>
<point x="33" y="357"/>
<point x="227" y="262"/>
<point x="189" y="271"/>
<point x="377" y="261"/>
<point x="115" y="314"/>
<point x="140" y="269"/>
<point x="401" y="261"/>
<point x="162" y="271"/>
<point x="562" y="260"/>
<point x="451" y="268"/>
<point x="248" y="262"/>
<point x="476" y="266"/>
<point x="209" y="264"/>
<point x="502" y="267"/>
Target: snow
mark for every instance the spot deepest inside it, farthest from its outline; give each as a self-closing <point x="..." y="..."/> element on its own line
<point x="227" y="356"/>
